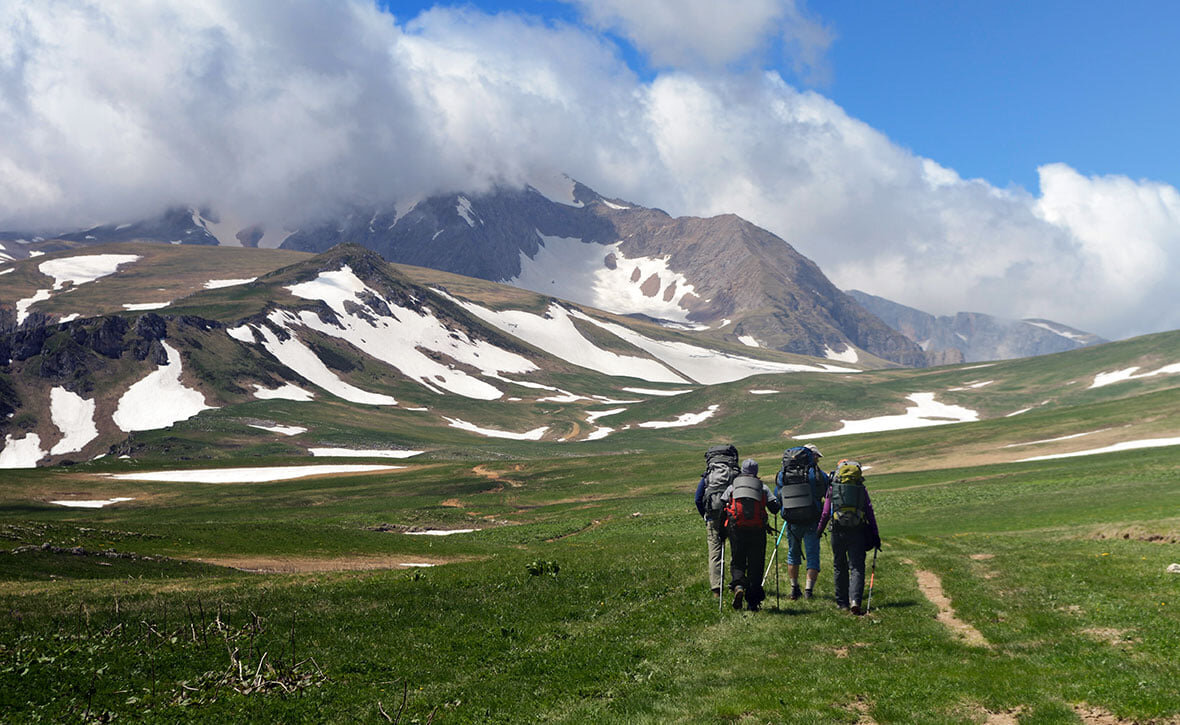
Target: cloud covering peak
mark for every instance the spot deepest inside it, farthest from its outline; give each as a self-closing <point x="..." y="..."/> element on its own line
<point x="111" y="111"/>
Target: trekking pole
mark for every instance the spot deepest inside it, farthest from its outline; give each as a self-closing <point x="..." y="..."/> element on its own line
<point x="774" y="556"/>
<point x="721" y="587"/>
<point x="872" y="576"/>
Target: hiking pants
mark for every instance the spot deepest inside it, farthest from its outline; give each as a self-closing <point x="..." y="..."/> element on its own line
<point x="748" y="556"/>
<point x="805" y="538"/>
<point x="715" y="533"/>
<point x="848" y="564"/>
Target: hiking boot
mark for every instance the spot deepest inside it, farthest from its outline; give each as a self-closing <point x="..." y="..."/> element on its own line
<point x="855" y="609"/>
<point x="807" y="594"/>
<point x="739" y="596"/>
<point x="753" y="607"/>
<point x="795" y="593"/>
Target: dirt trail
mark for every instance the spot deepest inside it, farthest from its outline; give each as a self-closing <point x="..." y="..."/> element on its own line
<point x="931" y="586"/>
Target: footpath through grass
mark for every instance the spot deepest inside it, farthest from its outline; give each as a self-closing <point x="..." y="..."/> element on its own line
<point x="585" y="600"/>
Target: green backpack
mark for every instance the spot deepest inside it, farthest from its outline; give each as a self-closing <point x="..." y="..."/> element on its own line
<point x="848" y="496"/>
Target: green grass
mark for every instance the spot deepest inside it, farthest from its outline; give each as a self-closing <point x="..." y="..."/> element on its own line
<point x="624" y="631"/>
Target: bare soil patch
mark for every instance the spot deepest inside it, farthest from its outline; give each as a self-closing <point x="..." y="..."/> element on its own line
<point x="301" y="564"/>
<point x="1110" y="635"/>
<point x="452" y="503"/>
<point x="1091" y="715"/>
<point x="482" y="470"/>
<point x="861" y="708"/>
<point x="593" y="525"/>
<point x="931" y="587"/>
<point x="1007" y="717"/>
<point x="1138" y="533"/>
<point x="982" y="557"/>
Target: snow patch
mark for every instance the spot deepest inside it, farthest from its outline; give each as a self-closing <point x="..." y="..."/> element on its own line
<point x="763" y="392"/>
<point x="362" y="453"/>
<point x="220" y="283"/>
<point x="685" y="419"/>
<point x="22" y="306"/>
<point x="1054" y="440"/>
<point x="83" y="269"/>
<point x="69" y="318"/>
<point x="74" y="417"/>
<point x="748" y="341"/>
<point x="242" y="334"/>
<point x="22" y="452"/>
<point x="464" y="210"/>
<point x="650" y="391"/>
<point x="532" y="435"/>
<point x="848" y="355"/>
<point x="1118" y="376"/>
<point x="287" y="430"/>
<point x="437" y="532"/>
<point x="286" y="392"/>
<point x="1057" y="330"/>
<point x="925" y="412"/>
<point x="93" y="504"/>
<point x="250" y="475"/>
<point x="614" y="206"/>
<point x="159" y="399"/>
<point x="1124" y="446"/>
<point x="140" y="306"/>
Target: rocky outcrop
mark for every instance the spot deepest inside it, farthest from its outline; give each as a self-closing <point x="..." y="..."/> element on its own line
<point x="973" y="336"/>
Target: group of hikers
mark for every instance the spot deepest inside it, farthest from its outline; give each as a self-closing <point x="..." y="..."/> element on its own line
<point x="734" y="503"/>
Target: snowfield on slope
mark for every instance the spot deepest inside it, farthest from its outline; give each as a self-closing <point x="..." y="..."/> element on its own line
<point x="554" y="332"/>
<point x="574" y="270"/>
<point x="74" y="270"/>
<point x="1124" y="446"/>
<point x="250" y="475"/>
<point x="395" y="335"/>
<point x="91" y="504"/>
<point x="683" y="420"/>
<point x="74" y="417"/>
<point x="926" y="411"/>
<point x="701" y="364"/>
<point x="21" y="452"/>
<point x="1118" y="376"/>
<point x="159" y="399"/>
<point x="532" y="435"/>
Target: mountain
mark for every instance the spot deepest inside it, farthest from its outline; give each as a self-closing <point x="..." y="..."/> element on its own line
<point x="723" y="274"/>
<point x="974" y="336"/>
<point x="354" y="343"/>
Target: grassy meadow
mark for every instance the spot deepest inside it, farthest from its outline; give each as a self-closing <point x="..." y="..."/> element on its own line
<point x="583" y="597"/>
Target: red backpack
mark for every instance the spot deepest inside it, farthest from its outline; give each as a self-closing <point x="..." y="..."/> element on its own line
<point x="747" y="507"/>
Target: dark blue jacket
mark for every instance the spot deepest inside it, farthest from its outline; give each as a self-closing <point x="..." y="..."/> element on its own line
<point x="700" y="498"/>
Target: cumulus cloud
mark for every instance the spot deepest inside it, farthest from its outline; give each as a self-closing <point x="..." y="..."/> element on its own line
<point x="110" y="111"/>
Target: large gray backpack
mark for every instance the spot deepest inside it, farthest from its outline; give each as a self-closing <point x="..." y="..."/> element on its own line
<point x="721" y="466"/>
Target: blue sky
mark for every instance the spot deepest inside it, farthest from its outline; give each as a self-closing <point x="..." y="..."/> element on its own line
<point x="990" y="89"/>
<point x="1013" y="158"/>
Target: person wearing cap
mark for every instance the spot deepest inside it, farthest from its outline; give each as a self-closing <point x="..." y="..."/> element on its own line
<point x="803" y="539"/>
<point x="746" y="501"/>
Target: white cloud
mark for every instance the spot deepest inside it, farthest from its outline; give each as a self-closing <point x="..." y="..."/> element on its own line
<point x="686" y="33"/>
<point x="108" y="111"/>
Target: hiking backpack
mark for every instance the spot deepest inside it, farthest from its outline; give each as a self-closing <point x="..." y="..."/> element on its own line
<point x="747" y="505"/>
<point x="796" y="484"/>
<point x="848" y="496"/>
<point x="721" y="466"/>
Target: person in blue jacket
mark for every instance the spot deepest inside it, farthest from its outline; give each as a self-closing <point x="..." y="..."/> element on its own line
<point x="802" y="538"/>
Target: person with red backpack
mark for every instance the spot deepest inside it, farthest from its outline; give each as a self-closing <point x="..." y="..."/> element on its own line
<point x="746" y="501"/>
<point x="854" y="532"/>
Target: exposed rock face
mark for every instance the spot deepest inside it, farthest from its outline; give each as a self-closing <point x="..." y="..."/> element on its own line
<point x="973" y="336"/>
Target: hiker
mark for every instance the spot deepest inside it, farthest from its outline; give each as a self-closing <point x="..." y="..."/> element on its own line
<point x="746" y="502"/>
<point x="854" y="531"/>
<point x="721" y="466"/>
<point x="800" y="487"/>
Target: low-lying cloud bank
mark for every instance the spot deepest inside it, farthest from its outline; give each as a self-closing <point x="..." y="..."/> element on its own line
<point x="110" y="111"/>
